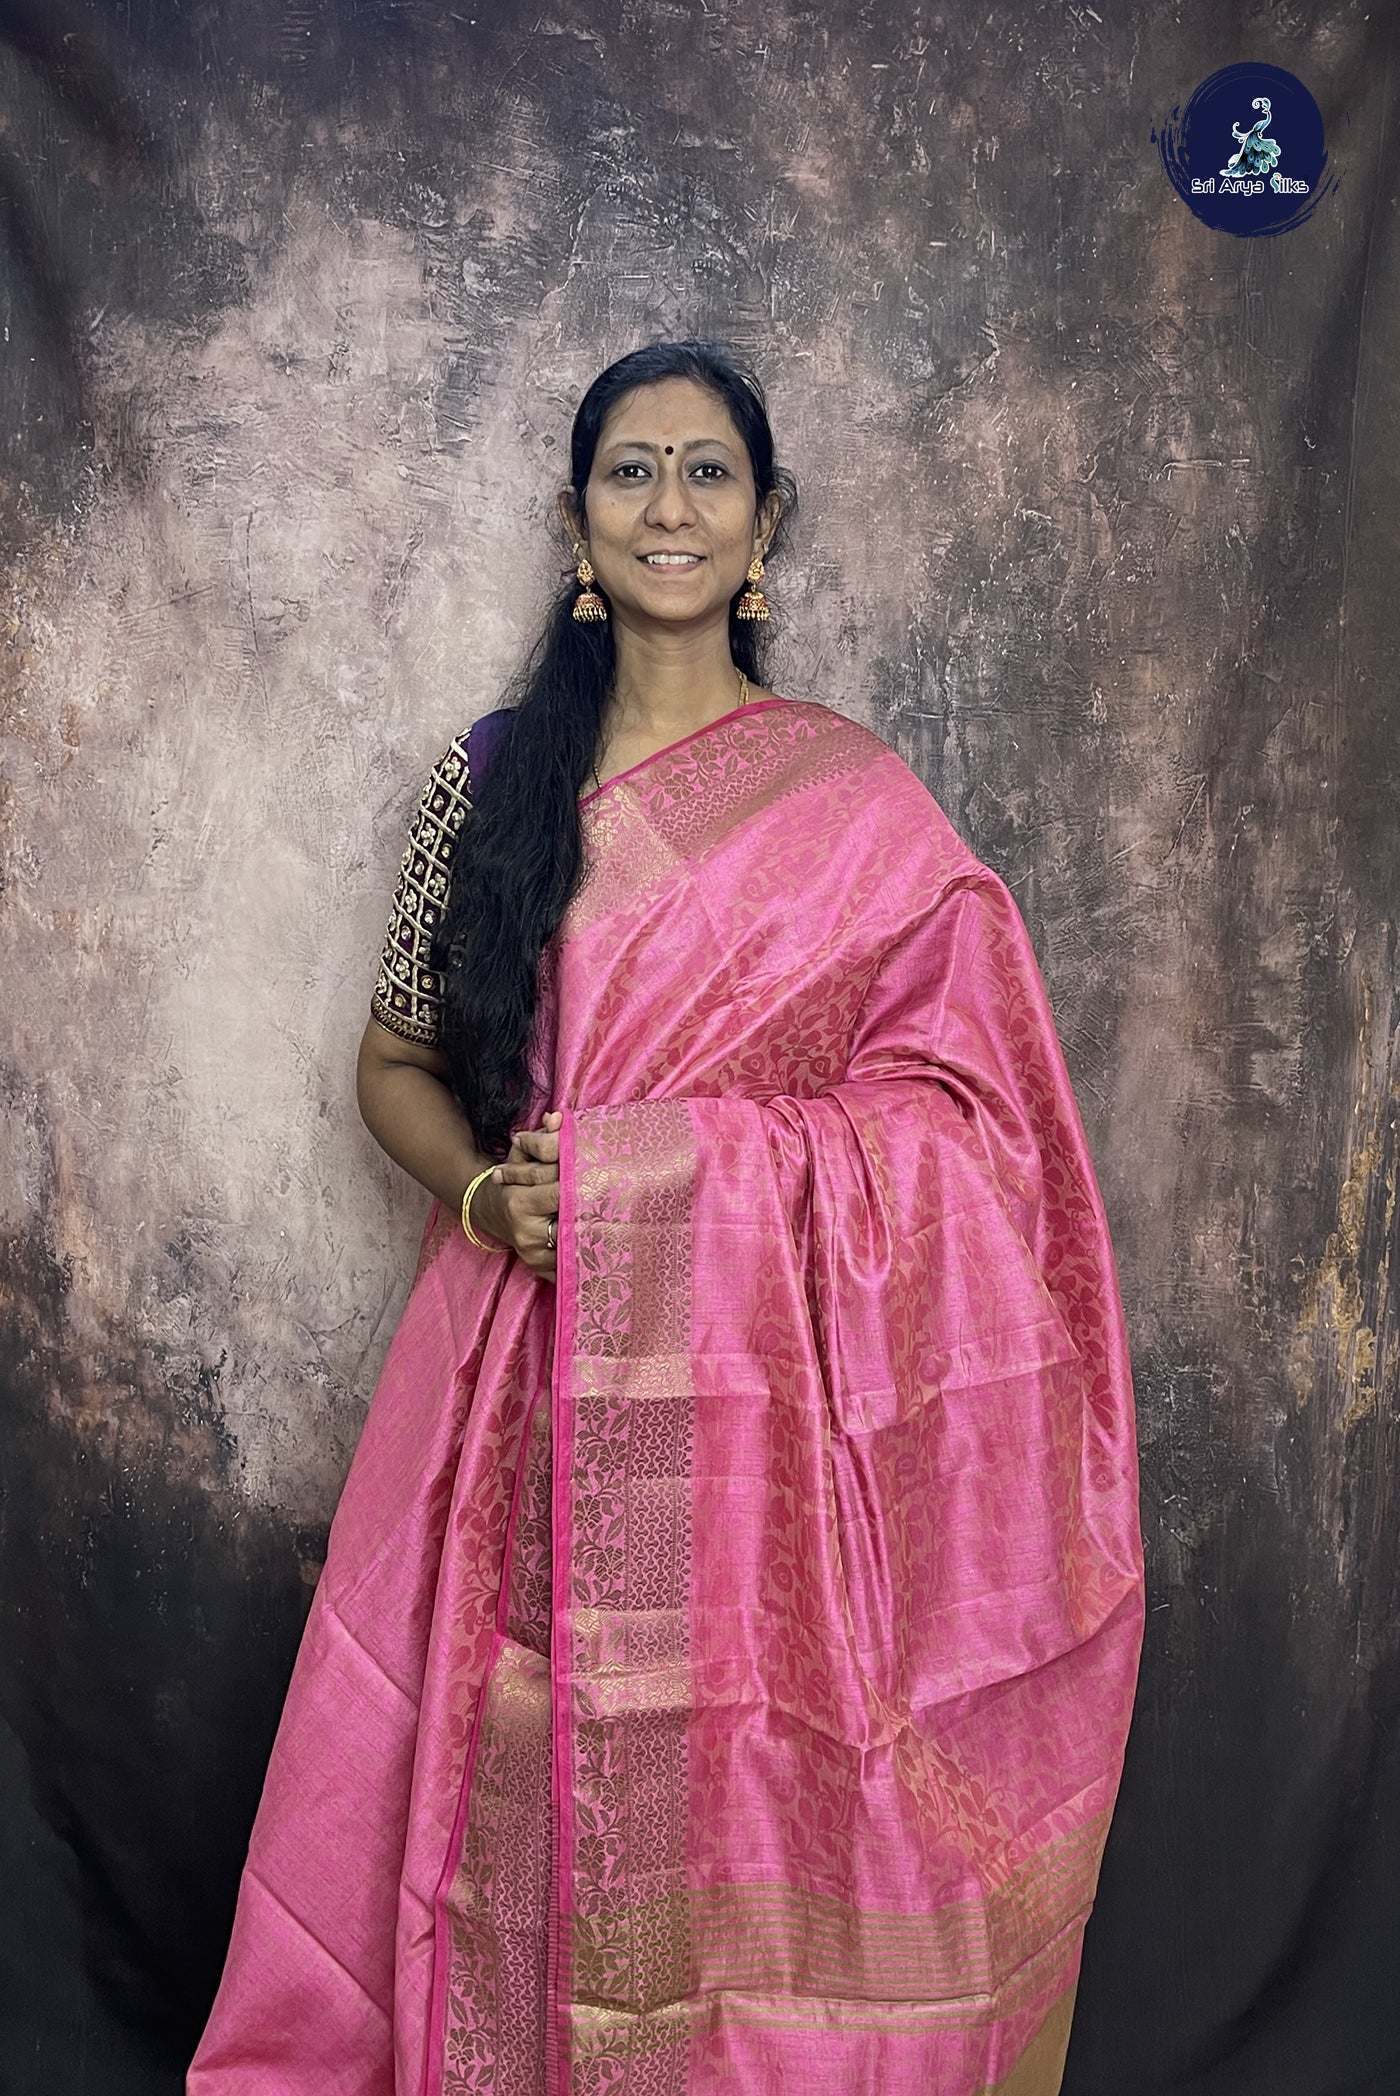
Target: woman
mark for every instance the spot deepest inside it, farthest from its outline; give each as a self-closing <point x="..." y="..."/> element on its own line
<point x="721" y="1668"/>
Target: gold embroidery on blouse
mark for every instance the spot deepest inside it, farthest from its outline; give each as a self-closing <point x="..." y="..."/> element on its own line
<point x="408" y="991"/>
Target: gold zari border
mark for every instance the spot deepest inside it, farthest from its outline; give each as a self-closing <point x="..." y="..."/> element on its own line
<point x="783" y="1940"/>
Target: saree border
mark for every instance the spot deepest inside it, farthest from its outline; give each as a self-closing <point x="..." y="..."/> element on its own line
<point x="748" y="709"/>
<point x="561" y="1654"/>
<point x="434" y="2052"/>
<point x="446" y="1925"/>
<point x="624" y="1452"/>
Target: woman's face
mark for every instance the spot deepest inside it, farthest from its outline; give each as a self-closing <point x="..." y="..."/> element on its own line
<point x="671" y="526"/>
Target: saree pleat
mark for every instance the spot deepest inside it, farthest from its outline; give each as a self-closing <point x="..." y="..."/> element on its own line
<point x="721" y="1670"/>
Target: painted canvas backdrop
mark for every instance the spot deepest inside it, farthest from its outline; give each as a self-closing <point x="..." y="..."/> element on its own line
<point x="1099" y="529"/>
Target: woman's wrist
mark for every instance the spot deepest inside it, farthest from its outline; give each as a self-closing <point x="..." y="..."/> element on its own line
<point x="478" y="1210"/>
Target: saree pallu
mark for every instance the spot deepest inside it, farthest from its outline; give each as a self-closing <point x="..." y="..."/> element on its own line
<point x="721" y="1670"/>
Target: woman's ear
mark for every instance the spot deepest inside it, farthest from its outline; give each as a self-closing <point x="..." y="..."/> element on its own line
<point x="770" y="510"/>
<point x="570" y="519"/>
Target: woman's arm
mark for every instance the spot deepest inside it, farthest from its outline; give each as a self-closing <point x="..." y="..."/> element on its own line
<point x="407" y="1105"/>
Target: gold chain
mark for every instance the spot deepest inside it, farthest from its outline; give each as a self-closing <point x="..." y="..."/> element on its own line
<point x="743" y="701"/>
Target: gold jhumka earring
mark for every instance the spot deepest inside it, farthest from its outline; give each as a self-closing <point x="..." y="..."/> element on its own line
<point x="589" y="605"/>
<point x="753" y="604"/>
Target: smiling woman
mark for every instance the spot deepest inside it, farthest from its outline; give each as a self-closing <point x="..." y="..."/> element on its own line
<point x="670" y="522"/>
<point x="672" y="494"/>
<point x="720" y="1673"/>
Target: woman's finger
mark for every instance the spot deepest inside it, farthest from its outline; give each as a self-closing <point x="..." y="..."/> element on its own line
<point x="531" y="1205"/>
<point x="541" y="1260"/>
<point x="527" y="1175"/>
<point x="539" y="1143"/>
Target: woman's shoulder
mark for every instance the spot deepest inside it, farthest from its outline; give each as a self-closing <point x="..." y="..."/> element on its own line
<point x="817" y="718"/>
<point x="892" y="798"/>
<point x="482" y="740"/>
<point x="843" y="736"/>
<point x="462" y="765"/>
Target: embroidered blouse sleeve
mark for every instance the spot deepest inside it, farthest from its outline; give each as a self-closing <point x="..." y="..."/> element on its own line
<point x="408" y="991"/>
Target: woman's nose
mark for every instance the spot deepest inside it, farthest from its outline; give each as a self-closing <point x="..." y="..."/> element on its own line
<point x="671" y="501"/>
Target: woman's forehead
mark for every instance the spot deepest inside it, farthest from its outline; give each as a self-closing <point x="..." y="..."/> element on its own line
<point x="674" y="411"/>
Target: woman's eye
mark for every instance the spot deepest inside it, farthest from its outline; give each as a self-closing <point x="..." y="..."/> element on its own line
<point x="632" y="467"/>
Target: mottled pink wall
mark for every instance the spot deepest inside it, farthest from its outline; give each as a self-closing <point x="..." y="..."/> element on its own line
<point x="1098" y="525"/>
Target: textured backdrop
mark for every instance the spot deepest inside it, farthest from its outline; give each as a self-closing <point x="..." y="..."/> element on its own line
<point x="1099" y="528"/>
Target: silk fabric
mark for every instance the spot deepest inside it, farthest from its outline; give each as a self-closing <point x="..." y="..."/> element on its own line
<point x="720" y="1673"/>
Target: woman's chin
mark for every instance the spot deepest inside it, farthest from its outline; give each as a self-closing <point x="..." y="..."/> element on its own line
<point x="671" y="609"/>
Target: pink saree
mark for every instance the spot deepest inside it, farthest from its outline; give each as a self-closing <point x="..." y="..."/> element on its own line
<point x="721" y="1669"/>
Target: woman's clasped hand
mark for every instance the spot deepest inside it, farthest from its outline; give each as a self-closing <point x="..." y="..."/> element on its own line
<point x="520" y="1200"/>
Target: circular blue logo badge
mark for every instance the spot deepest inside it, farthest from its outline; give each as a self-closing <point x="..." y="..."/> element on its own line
<point x="1247" y="153"/>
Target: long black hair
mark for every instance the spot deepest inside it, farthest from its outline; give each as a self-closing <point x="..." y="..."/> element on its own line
<point x="519" y="857"/>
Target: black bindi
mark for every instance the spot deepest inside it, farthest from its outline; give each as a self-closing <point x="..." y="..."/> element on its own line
<point x="669" y="449"/>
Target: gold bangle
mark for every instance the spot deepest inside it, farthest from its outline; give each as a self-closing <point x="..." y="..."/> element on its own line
<point x="483" y="1244"/>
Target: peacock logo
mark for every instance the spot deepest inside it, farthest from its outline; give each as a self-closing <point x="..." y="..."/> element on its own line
<point x="1255" y="154"/>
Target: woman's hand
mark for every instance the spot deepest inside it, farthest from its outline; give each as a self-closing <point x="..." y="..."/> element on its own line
<point x="517" y="1203"/>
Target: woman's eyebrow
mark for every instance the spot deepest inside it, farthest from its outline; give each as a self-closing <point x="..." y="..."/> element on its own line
<point x="641" y="444"/>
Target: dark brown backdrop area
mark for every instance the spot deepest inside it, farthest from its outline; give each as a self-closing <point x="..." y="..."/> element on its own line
<point x="1100" y="530"/>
